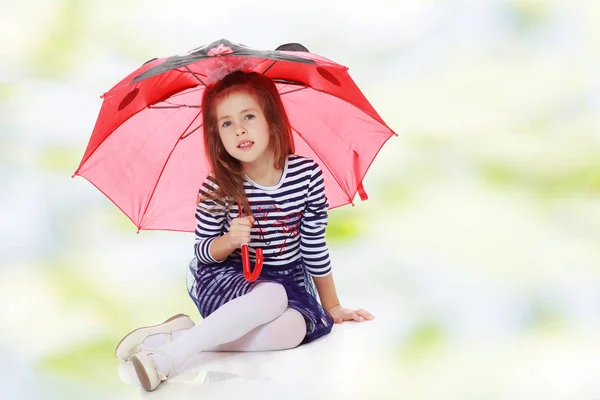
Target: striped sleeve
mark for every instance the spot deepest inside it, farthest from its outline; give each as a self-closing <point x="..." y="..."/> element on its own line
<point x="313" y="246"/>
<point x="210" y="218"/>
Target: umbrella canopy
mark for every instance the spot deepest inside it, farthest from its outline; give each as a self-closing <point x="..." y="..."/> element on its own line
<point x="146" y="152"/>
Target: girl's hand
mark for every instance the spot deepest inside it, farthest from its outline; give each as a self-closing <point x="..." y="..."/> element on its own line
<point x="341" y="314"/>
<point x="239" y="232"/>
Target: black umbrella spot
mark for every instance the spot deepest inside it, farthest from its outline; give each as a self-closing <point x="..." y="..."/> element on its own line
<point x="328" y="76"/>
<point x="155" y="58"/>
<point x="129" y="98"/>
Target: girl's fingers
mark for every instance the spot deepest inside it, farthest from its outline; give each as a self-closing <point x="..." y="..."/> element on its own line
<point x="241" y="238"/>
<point x="241" y="224"/>
<point x="240" y="230"/>
<point x="246" y="221"/>
<point x="365" y="314"/>
<point x="240" y="234"/>
<point x="353" y="316"/>
<point x="349" y="316"/>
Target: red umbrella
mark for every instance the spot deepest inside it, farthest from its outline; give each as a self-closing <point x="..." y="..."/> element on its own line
<point x="146" y="153"/>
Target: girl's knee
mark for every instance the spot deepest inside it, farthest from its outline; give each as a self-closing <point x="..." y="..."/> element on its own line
<point x="272" y="295"/>
<point x="295" y="327"/>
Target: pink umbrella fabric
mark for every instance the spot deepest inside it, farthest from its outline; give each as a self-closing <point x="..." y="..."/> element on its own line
<point x="146" y="152"/>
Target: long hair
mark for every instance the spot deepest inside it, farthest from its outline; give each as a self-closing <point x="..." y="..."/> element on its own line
<point x="227" y="170"/>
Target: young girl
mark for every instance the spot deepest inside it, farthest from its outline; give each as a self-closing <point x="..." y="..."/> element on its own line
<point x="281" y="196"/>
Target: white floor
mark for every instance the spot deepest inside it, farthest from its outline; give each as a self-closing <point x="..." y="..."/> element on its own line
<point x="392" y="358"/>
<point x="338" y="366"/>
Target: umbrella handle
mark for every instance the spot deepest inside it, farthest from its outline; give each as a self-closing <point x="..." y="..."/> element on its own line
<point x="250" y="276"/>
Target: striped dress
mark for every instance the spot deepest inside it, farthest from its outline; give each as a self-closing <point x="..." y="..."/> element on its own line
<point x="290" y="221"/>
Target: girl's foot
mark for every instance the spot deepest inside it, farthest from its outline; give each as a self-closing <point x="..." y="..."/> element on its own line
<point x="134" y="340"/>
<point x="148" y="372"/>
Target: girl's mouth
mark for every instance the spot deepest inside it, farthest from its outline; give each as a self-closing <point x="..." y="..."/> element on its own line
<point x="245" y="145"/>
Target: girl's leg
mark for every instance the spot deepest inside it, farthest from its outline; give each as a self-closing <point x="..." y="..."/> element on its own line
<point x="231" y="321"/>
<point x="286" y="332"/>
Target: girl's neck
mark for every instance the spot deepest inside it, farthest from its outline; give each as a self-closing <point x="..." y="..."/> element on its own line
<point x="263" y="171"/>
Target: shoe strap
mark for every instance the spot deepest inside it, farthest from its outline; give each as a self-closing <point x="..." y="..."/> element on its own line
<point x="168" y="338"/>
<point x="166" y="357"/>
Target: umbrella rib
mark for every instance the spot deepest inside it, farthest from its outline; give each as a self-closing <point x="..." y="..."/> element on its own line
<point x="344" y="141"/>
<point x="112" y="201"/>
<point x="195" y="76"/>
<point x="186" y="91"/>
<point x="362" y="178"/>
<point x="175" y="106"/>
<point x="163" y="170"/>
<point x="295" y="90"/>
<point x="193" y="130"/>
<point x="372" y="121"/>
<point x="378" y="119"/>
<point x="325" y="122"/>
<point x="325" y="163"/>
<point x="287" y="81"/>
<point x="269" y="67"/>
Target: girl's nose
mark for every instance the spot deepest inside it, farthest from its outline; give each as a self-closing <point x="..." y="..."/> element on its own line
<point x="240" y="130"/>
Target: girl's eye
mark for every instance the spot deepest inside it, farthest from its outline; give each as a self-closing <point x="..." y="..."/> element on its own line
<point x="226" y="124"/>
<point x="250" y="116"/>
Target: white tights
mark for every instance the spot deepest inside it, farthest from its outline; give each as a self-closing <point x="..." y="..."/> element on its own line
<point x="257" y="321"/>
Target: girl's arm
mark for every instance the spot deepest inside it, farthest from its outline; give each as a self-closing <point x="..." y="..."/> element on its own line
<point x="315" y="253"/>
<point x="212" y="246"/>
<point x="210" y="218"/>
<point x="327" y="293"/>
<point x="239" y="233"/>
<point x="331" y="303"/>
<point x="221" y="247"/>
<point x="313" y="247"/>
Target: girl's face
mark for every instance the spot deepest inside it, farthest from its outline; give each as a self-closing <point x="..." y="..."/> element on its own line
<point x="243" y="128"/>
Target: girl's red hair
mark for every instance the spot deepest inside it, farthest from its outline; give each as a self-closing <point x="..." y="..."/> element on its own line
<point x="227" y="170"/>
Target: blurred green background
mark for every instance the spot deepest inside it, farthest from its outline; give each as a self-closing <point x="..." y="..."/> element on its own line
<point x="481" y="235"/>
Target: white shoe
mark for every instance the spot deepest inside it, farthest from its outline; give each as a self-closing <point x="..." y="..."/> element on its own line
<point x="145" y="367"/>
<point x="133" y="341"/>
<point x="127" y="374"/>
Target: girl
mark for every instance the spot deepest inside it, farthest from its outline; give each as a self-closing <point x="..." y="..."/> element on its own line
<point x="258" y="192"/>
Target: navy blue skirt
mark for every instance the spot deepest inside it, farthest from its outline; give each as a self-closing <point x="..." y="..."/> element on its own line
<point x="212" y="285"/>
